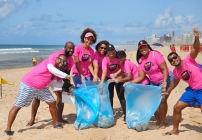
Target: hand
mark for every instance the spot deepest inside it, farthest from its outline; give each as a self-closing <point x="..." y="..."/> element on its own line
<point x="95" y="79"/>
<point x="110" y="81"/>
<point x="196" y="31"/>
<point x="113" y="75"/>
<point x="69" y="76"/>
<point x="164" y="93"/>
<point x="83" y="79"/>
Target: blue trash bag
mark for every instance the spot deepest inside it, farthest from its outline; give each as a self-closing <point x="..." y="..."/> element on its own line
<point x="93" y="106"/>
<point x="142" y="102"/>
<point x="105" y="116"/>
<point x="87" y="105"/>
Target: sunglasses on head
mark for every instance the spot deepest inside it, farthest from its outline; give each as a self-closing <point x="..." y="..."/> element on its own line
<point x="172" y="58"/>
<point x="62" y="61"/>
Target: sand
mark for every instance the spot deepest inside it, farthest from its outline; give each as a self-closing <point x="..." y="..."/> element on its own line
<point x="190" y="126"/>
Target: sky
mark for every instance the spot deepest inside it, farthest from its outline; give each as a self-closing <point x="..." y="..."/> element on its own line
<point x="54" y="22"/>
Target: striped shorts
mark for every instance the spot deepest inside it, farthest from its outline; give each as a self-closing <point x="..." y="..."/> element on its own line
<point x="26" y="94"/>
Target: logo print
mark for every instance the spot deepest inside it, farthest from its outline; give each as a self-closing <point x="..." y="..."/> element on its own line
<point x="85" y="57"/>
<point x="147" y="66"/>
<point x="112" y="67"/>
<point x="185" y="75"/>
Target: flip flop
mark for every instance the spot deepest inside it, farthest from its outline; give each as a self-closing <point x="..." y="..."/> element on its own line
<point x="30" y="124"/>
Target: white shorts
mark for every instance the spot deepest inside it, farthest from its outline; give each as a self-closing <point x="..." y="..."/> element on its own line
<point x="56" y="85"/>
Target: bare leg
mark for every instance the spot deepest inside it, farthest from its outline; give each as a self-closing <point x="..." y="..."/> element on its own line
<point x="177" y="113"/>
<point x="35" y="106"/>
<point x="60" y="106"/>
<point x="163" y="111"/>
<point x="11" y="117"/>
<point x="53" y="111"/>
<point x="158" y="117"/>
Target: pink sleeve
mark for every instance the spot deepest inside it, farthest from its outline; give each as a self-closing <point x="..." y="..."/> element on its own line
<point x="96" y="58"/>
<point x="158" y="57"/>
<point x="175" y="74"/>
<point x="127" y="69"/>
<point x="139" y="67"/>
<point x="104" y="64"/>
<point x="92" y="54"/>
<point x="189" y="58"/>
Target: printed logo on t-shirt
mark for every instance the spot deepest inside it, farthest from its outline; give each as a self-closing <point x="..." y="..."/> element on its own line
<point x="185" y="75"/>
<point x="147" y="66"/>
<point x="112" y="67"/>
<point x="85" y="57"/>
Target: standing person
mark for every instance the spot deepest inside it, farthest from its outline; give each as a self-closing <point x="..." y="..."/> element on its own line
<point x="189" y="71"/>
<point x="110" y="69"/>
<point x="99" y="56"/>
<point x="57" y="84"/>
<point x="34" y="60"/>
<point x="34" y="85"/>
<point x="83" y="57"/>
<point x="154" y="65"/>
<point x="131" y="73"/>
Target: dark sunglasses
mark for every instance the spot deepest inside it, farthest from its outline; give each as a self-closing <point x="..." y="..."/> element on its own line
<point x="62" y="61"/>
<point x="102" y="48"/>
<point x="171" y="59"/>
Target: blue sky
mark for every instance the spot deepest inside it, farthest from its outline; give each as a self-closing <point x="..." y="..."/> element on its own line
<point x="118" y="21"/>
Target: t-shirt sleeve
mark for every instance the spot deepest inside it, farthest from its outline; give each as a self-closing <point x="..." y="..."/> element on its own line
<point x="92" y="54"/>
<point x="176" y="74"/>
<point x="104" y="64"/>
<point x="127" y="67"/>
<point x="95" y="60"/>
<point x="158" y="57"/>
<point x="139" y="67"/>
<point x="189" y="59"/>
<point x="76" y="51"/>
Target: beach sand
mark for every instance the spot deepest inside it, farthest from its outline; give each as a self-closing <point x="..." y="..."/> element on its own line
<point x="190" y="126"/>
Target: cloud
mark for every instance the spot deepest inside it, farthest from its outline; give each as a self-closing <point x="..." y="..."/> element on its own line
<point x="9" y="6"/>
<point x="41" y="21"/>
<point x="133" y="24"/>
<point x="64" y="20"/>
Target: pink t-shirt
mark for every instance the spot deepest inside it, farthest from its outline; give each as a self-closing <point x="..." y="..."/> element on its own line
<point x="190" y="73"/>
<point x="85" y="57"/>
<point x="110" y="66"/>
<point x="39" y="77"/>
<point x="150" y="66"/>
<point x="98" y="60"/>
<point x="130" y="67"/>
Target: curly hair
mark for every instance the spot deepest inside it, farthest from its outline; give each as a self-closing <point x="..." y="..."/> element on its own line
<point x="85" y="32"/>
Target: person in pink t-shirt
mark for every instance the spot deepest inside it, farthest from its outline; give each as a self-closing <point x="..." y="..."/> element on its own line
<point x="111" y="69"/>
<point x="57" y="84"/>
<point x="154" y="65"/>
<point x="130" y="72"/>
<point x="35" y="85"/>
<point x="189" y="71"/>
<point x="98" y="57"/>
<point x="83" y="58"/>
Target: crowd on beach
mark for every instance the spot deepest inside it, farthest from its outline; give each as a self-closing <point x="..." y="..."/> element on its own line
<point x="82" y="64"/>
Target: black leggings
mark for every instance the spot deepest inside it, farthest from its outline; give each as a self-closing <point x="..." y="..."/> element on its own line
<point x="120" y="93"/>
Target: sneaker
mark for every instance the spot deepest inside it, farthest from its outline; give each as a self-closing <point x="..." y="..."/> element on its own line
<point x="9" y="133"/>
<point x="59" y="126"/>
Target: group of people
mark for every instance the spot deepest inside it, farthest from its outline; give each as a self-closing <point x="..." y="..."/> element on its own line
<point x="107" y="64"/>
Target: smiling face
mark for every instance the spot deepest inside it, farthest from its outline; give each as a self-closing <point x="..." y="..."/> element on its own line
<point x="69" y="49"/>
<point x="111" y="53"/>
<point x="144" y="50"/>
<point x="121" y="60"/>
<point x="174" y="60"/>
<point x="61" y="62"/>
<point x="88" y="41"/>
<point x="102" y="49"/>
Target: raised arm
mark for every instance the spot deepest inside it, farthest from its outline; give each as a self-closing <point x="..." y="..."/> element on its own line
<point x="196" y="46"/>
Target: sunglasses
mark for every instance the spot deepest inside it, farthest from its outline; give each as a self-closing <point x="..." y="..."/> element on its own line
<point x="171" y="59"/>
<point x="102" y="48"/>
<point x="63" y="61"/>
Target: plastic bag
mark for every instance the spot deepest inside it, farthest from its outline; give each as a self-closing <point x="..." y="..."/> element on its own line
<point x="142" y="102"/>
<point x="92" y="106"/>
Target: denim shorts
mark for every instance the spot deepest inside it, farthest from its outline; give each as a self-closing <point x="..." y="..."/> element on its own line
<point x="169" y="81"/>
<point x="77" y="80"/>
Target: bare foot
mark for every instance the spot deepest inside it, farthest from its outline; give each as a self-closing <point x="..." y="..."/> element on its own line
<point x="30" y="123"/>
<point x="158" y="123"/>
<point x="162" y="126"/>
<point x="170" y="133"/>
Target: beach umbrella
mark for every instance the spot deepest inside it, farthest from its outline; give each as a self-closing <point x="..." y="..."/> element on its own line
<point x="158" y="44"/>
<point x="2" y="81"/>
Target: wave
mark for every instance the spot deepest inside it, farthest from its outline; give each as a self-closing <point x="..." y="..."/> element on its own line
<point x="17" y="50"/>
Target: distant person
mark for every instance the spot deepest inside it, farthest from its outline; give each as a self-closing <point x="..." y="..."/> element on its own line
<point x="189" y="71"/>
<point x="57" y="85"/>
<point x="83" y="58"/>
<point x="35" y="85"/>
<point x="34" y="60"/>
<point x="155" y="67"/>
<point x="172" y="48"/>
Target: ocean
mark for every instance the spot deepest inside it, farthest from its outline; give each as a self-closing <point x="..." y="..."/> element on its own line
<point x="17" y="56"/>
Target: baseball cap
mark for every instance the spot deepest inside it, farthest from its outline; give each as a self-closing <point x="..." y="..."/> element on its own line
<point x="110" y="47"/>
<point x="89" y="34"/>
<point x="142" y="43"/>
